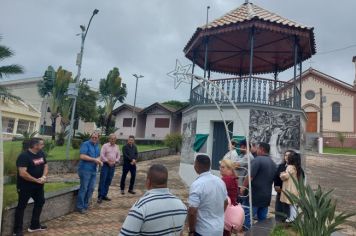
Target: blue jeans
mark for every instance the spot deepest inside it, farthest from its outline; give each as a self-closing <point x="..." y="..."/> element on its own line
<point x="257" y="212"/>
<point x="87" y="186"/>
<point x="106" y="175"/>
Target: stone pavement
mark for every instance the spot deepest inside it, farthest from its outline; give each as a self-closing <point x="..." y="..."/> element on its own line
<point x="338" y="173"/>
<point x="106" y="218"/>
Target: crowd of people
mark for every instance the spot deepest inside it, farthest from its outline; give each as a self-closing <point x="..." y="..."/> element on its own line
<point x="33" y="170"/>
<point x="216" y="205"/>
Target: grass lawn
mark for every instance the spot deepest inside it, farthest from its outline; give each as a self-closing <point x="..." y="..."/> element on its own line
<point x="12" y="150"/>
<point x="339" y="150"/>
<point x="10" y="193"/>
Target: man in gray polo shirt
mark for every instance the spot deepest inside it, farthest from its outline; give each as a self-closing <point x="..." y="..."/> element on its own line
<point x="207" y="201"/>
<point x="158" y="212"/>
<point x="263" y="170"/>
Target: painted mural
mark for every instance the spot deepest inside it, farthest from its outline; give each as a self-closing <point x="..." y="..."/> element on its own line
<point x="281" y="130"/>
<point x="188" y="133"/>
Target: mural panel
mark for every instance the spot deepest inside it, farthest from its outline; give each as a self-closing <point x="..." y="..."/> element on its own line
<point x="189" y="125"/>
<point x="280" y="129"/>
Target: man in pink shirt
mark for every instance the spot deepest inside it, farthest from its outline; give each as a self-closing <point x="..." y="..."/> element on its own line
<point x="109" y="155"/>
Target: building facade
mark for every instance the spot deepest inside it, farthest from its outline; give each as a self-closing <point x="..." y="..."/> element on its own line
<point x="18" y="117"/>
<point x="152" y="122"/>
<point x="338" y="107"/>
<point x="27" y="90"/>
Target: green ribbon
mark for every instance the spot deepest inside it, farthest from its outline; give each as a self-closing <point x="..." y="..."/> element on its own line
<point x="200" y="139"/>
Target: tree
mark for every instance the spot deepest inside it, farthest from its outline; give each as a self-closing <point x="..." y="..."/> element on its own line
<point x="86" y="103"/>
<point x="341" y="138"/>
<point x="111" y="91"/>
<point x="7" y="70"/>
<point x="5" y="53"/>
<point x="54" y="86"/>
<point x="176" y="104"/>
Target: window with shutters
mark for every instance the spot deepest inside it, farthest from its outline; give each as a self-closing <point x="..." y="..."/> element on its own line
<point x="162" y="123"/>
<point x="127" y="122"/>
<point x="335" y="106"/>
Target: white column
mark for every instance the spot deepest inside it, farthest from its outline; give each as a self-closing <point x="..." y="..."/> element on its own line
<point x="14" y="131"/>
<point x="321" y="145"/>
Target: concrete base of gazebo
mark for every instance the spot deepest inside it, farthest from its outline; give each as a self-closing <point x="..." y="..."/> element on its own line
<point x="282" y="128"/>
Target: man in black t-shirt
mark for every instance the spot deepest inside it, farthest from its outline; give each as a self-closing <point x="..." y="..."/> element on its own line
<point x="129" y="151"/>
<point x="32" y="170"/>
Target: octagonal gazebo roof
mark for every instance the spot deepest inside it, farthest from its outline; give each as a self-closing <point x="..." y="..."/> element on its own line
<point x="229" y="42"/>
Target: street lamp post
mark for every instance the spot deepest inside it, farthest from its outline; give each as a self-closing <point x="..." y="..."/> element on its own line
<point x="73" y="88"/>
<point x="133" y="110"/>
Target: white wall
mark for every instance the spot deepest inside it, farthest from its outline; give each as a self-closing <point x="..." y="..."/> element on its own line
<point x="160" y="133"/>
<point x="124" y="132"/>
<point x="333" y="94"/>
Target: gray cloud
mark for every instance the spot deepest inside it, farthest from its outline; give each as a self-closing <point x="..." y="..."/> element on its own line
<point x="146" y="36"/>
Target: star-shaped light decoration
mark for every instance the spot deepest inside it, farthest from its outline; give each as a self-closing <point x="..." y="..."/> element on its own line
<point x="180" y="74"/>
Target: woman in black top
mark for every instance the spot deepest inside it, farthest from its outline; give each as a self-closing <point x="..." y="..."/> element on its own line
<point x="281" y="209"/>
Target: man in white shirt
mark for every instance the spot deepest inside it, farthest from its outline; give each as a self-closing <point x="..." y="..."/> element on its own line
<point x="207" y="201"/>
<point x="232" y="153"/>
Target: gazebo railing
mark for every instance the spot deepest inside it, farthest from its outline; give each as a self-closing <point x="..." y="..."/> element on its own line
<point x="245" y="90"/>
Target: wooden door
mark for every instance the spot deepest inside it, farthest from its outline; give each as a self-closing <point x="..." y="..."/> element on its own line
<point x="220" y="143"/>
<point x="312" y="123"/>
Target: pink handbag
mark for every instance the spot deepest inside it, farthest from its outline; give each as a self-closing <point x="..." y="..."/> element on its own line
<point x="234" y="217"/>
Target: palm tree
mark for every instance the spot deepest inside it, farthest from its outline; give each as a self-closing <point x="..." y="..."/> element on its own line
<point x="54" y="86"/>
<point x="5" y="52"/>
<point x="111" y="90"/>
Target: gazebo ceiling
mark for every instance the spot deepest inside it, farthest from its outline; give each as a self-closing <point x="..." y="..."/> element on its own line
<point x="229" y="42"/>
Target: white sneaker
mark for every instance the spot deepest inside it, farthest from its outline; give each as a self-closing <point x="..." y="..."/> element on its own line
<point x="41" y="228"/>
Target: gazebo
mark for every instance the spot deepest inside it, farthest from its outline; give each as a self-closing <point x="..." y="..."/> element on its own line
<point x="244" y="44"/>
<point x="248" y="41"/>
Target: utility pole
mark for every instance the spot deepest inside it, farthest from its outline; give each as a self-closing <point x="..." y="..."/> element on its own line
<point x="74" y="87"/>
<point x="133" y="110"/>
<point x="321" y="122"/>
<point x="1" y="169"/>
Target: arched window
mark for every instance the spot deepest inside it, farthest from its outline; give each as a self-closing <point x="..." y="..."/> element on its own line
<point x="335" y="111"/>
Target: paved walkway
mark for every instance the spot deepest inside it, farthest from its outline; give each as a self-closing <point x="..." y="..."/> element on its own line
<point x="331" y="172"/>
<point x="106" y="218"/>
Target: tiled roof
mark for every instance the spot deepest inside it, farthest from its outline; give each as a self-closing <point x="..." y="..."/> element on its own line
<point x="127" y="106"/>
<point x="227" y="41"/>
<point x="248" y="11"/>
<point x="169" y="108"/>
<point x="159" y="105"/>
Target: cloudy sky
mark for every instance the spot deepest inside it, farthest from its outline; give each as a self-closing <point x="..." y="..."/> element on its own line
<point x="147" y="36"/>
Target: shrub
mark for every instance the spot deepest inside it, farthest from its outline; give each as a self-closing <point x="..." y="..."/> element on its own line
<point x="341" y="138"/>
<point x="48" y="146"/>
<point x="317" y="215"/>
<point x="83" y="136"/>
<point x="76" y="142"/>
<point x="61" y="138"/>
<point x="103" y="139"/>
<point x="17" y="138"/>
<point x="26" y="138"/>
<point x="174" y="141"/>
